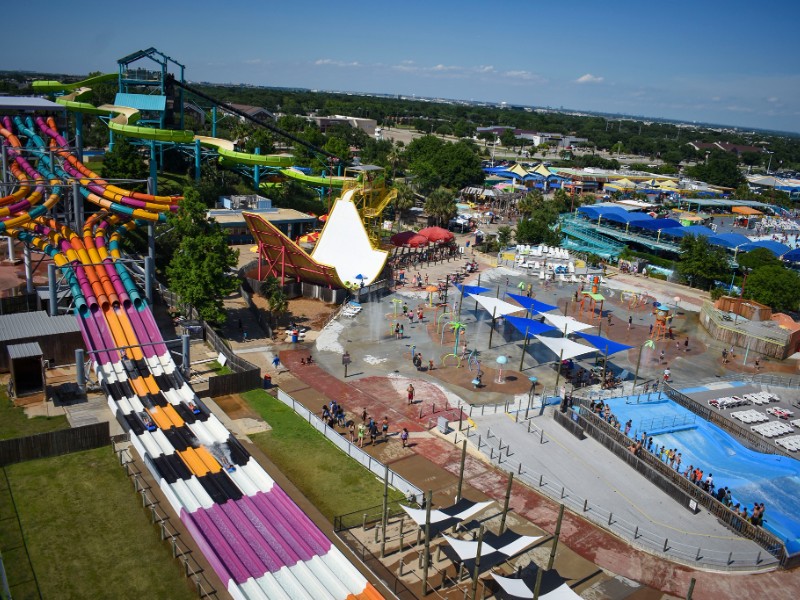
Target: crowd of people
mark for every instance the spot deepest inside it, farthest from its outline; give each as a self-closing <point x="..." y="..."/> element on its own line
<point x="333" y="414"/>
<point x="674" y="458"/>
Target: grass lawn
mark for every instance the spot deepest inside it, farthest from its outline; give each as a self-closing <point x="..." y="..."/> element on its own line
<point x="14" y="423"/>
<point x="86" y="532"/>
<point x="331" y="480"/>
<point x="220" y="369"/>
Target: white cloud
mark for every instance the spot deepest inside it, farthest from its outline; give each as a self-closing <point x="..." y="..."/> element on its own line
<point x="253" y="61"/>
<point x="336" y="63"/>
<point x="589" y="78"/>
<point x="772" y="99"/>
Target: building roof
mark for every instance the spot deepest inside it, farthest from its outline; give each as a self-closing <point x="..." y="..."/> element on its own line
<point x="279" y="215"/>
<point x="28" y="103"/>
<point x="250" y="110"/>
<point x="26" y="350"/>
<point x="20" y="326"/>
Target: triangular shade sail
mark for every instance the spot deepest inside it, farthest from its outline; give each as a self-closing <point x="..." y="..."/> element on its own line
<point x="447" y="517"/>
<point x="528" y="326"/>
<point x="495" y="549"/>
<point x="471" y="289"/>
<point x="602" y="343"/>
<point x="569" y="348"/>
<point x="553" y="586"/>
<point x="531" y="304"/>
<point x="572" y="325"/>
<point x="495" y="306"/>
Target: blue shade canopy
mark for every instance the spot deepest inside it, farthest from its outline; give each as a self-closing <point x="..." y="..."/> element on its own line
<point x="531" y="304"/>
<point x="471" y="289"/>
<point x="776" y="248"/>
<point x="655" y="224"/>
<point x="595" y="211"/>
<point x="531" y="326"/>
<point x="695" y="230"/>
<point x="792" y="255"/>
<point x="729" y="240"/>
<point x="602" y="343"/>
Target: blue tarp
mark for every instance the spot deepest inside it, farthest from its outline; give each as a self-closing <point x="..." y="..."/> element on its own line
<point x="532" y="305"/>
<point x="529" y="326"/>
<point x="695" y="230"/>
<point x="776" y="248"/>
<point x="471" y="289"/>
<point x="729" y="240"/>
<point x="655" y="224"/>
<point x="602" y="343"/>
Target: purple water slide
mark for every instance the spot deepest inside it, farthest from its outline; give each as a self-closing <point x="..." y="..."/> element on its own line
<point x="251" y="560"/>
<point x="294" y="531"/>
<point x="312" y="534"/>
<point x="51" y="132"/>
<point x="288" y="552"/>
<point x="92" y="339"/>
<point x="152" y="330"/>
<point x="139" y="328"/>
<point x="207" y="548"/>
<point x="86" y="287"/>
<point x="218" y="545"/>
<point x="253" y="536"/>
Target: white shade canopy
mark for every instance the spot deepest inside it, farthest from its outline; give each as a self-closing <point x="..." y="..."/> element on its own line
<point x="560" y="322"/>
<point x="553" y="587"/>
<point x="495" y="306"/>
<point x="569" y="348"/>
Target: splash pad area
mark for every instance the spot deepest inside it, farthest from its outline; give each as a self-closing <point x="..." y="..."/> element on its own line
<point x="750" y="475"/>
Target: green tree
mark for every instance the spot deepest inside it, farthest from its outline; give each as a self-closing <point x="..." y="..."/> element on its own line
<point x="436" y="163"/>
<point x="774" y="285"/>
<point x="199" y="271"/>
<point x="701" y="263"/>
<point x="757" y="258"/>
<point x="441" y="205"/>
<point x="530" y="202"/>
<point x="504" y="235"/>
<point x="404" y="200"/>
<point x="508" y="138"/>
<point x="125" y="162"/>
<point x="721" y="168"/>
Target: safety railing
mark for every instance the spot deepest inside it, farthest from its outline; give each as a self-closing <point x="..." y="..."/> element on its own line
<point x="500" y="453"/>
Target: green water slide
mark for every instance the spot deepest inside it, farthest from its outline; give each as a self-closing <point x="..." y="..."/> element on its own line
<point x="316" y="179"/>
<point x="49" y="87"/>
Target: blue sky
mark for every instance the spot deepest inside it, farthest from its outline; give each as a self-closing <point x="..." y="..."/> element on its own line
<point x="728" y="62"/>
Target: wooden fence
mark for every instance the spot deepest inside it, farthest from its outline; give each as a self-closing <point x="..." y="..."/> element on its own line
<point x="671" y="482"/>
<point x="54" y="443"/>
<point x="18" y="303"/>
<point x="234" y="383"/>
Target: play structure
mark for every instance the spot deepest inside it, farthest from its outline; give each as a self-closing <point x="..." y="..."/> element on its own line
<point x="259" y="542"/>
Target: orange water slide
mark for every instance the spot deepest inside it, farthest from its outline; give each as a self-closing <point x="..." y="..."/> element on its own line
<point x="94" y="256"/>
<point x="200" y="461"/>
<point x="159" y="418"/>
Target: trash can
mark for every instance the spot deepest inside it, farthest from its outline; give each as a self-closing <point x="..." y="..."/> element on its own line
<point x="267" y="382"/>
<point x="295" y="335"/>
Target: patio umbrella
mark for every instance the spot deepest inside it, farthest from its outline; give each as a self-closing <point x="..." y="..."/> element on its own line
<point x="322" y="218"/>
<point x="430" y="289"/>
<point x="437" y="235"/>
<point x="309" y="238"/>
<point x="409" y="239"/>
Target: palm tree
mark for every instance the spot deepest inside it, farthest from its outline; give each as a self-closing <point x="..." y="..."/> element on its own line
<point x="404" y="200"/>
<point x="529" y="203"/>
<point x="393" y="158"/>
<point x="441" y="205"/>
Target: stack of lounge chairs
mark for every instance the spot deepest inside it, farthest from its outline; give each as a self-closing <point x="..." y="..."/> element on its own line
<point x="781" y="413"/>
<point x="772" y="429"/>
<point x="728" y="402"/>
<point x="762" y="398"/>
<point x="791" y="443"/>
<point x="750" y="416"/>
<point x="351" y="309"/>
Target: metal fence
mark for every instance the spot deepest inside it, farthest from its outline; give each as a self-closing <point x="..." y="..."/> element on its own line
<point x="353" y="451"/>
<point x="54" y="443"/>
<point x="673" y="483"/>
<point x="766" y="379"/>
<point x="501" y="454"/>
<point x="169" y="534"/>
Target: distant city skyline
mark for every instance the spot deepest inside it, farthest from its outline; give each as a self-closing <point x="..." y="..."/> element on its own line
<point x="728" y="63"/>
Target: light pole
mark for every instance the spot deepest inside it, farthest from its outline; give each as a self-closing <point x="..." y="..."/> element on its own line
<point x="770" y="161"/>
<point x="744" y="283"/>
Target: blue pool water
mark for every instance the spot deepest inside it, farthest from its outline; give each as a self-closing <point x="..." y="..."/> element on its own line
<point x="751" y="476"/>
